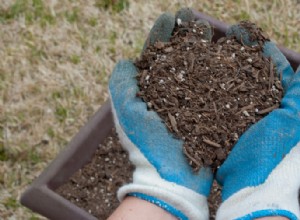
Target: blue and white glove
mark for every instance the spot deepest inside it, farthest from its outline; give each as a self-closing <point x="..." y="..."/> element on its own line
<point x="162" y="175"/>
<point x="261" y="176"/>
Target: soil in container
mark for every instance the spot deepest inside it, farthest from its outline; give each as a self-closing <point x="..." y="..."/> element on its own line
<point x="94" y="187"/>
<point x="208" y="93"/>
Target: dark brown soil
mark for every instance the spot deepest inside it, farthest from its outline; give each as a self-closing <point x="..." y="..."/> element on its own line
<point x="208" y="94"/>
<point x="94" y="187"/>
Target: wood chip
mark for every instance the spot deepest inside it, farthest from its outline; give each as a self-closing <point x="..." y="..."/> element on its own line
<point x="173" y="122"/>
<point x="211" y="143"/>
<point x="267" y="110"/>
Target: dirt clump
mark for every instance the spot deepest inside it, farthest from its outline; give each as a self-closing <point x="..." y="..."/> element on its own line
<point x="208" y="93"/>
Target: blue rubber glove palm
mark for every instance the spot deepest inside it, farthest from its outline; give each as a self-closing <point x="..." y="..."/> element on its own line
<point x="261" y="176"/>
<point x="162" y="175"/>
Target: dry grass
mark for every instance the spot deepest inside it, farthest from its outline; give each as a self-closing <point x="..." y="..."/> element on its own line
<point x="55" y="60"/>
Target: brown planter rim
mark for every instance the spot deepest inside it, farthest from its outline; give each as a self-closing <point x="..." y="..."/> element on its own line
<point x="40" y="195"/>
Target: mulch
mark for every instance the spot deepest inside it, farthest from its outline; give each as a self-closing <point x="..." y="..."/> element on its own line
<point x="208" y="93"/>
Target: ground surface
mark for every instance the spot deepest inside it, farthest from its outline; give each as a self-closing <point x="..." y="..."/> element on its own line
<point x="55" y="60"/>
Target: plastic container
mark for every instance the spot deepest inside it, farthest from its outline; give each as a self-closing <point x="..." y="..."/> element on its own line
<point x="40" y="195"/>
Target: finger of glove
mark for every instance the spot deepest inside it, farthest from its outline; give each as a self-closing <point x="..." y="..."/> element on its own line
<point x="207" y="30"/>
<point x="291" y="99"/>
<point x="147" y="132"/>
<point x="258" y="152"/>
<point x="269" y="141"/>
<point x="241" y="34"/>
<point x="283" y="67"/>
<point x="161" y="30"/>
<point x="122" y="80"/>
<point x="270" y="50"/>
<point x="184" y="15"/>
<point x="187" y="15"/>
<point x="298" y="70"/>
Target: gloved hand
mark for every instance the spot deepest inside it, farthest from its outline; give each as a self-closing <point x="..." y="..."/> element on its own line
<point x="261" y="176"/>
<point x="162" y="175"/>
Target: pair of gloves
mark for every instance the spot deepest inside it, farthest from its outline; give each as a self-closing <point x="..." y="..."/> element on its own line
<point x="260" y="177"/>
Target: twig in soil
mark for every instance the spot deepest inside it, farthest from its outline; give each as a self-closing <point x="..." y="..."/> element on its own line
<point x="211" y="143"/>
<point x="267" y="110"/>
<point x="251" y="106"/>
<point x="271" y="79"/>
<point x="191" y="159"/>
<point x="173" y="122"/>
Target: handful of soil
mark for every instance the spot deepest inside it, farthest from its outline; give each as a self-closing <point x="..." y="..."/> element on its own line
<point x="208" y="93"/>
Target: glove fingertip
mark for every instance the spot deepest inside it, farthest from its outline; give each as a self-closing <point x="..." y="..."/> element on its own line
<point x="161" y="30"/>
<point x="241" y="34"/>
<point x="298" y="70"/>
<point x="205" y="174"/>
<point x="185" y="15"/>
<point x="207" y="30"/>
<point x="124" y="71"/>
<point x="282" y="64"/>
